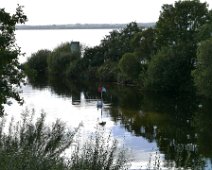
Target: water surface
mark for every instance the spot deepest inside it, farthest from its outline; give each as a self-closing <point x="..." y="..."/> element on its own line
<point x="173" y="130"/>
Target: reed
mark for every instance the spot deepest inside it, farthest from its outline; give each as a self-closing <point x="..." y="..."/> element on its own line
<point x="32" y="145"/>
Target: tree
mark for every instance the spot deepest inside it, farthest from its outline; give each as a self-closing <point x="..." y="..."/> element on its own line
<point x="168" y="71"/>
<point x="176" y="43"/>
<point x="179" y="22"/>
<point x="144" y="44"/>
<point x="93" y="57"/>
<point x="203" y="73"/>
<point x="11" y="75"/>
<point x="37" y="66"/>
<point x="108" y="71"/>
<point x="205" y="32"/>
<point x="119" y="42"/>
<point x="178" y="25"/>
<point x="59" y="60"/>
<point x="130" y="67"/>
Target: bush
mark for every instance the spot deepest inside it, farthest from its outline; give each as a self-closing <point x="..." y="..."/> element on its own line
<point x="62" y="60"/>
<point x="58" y="64"/>
<point x="36" y="65"/>
<point x="32" y="145"/>
<point x="99" y="153"/>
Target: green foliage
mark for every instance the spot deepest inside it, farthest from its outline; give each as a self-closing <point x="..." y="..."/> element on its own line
<point x="99" y="153"/>
<point x="118" y="43"/>
<point x="32" y="145"/>
<point x="74" y="69"/>
<point x="144" y="44"/>
<point x="97" y="63"/>
<point x="176" y="31"/>
<point x="29" y="145"/>
<point x="203" y="73"/>
<point x="108" y="72"/>
<point x="37" y="66"/>
<point x="58" y="63"/>
<point x="168" y="71"/>
<point x="138" y="55"/>
<point x="11" y="76"/>
<point x="205" y="32"/>
<point x="101" y="62"/>
<point x="93" y="57"/>
<point x="179" y="22"/>
<point x="129" y="67"/>
<point x="59" y="60"/>
<point x="62" y="62"/>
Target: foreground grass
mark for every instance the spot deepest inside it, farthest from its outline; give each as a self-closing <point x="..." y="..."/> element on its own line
<point x="32" y="145"/>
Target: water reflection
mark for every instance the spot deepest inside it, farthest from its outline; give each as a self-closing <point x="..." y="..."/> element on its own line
<point x="175" y="132"/>
<point x="179" y="125"/>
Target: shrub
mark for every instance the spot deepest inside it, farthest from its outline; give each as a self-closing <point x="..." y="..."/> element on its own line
<point x="32" y="145"/>
<point x="36" y="65"/>
<point x="58" y="63"/>
<point x="60" y="60"/>
<point x="99" y="153"/>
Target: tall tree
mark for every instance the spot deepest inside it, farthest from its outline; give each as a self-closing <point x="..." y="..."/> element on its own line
<point x="119" y="42"/>
<point x="179" y="22"/>
<point x="203" y="72"/>
<point x="176" y="30"/>
<point x="11" y="75"/>
<point x="144" y="43"/>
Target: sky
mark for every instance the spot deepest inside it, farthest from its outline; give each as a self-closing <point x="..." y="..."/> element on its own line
<point x="44" y="12"/>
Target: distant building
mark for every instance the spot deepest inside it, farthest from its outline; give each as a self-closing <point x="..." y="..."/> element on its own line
<point x="75" y="47"/>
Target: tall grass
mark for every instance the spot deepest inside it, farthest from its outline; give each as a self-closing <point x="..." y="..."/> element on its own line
<point x="99" y="153"/>
<point x="32" y="145"/>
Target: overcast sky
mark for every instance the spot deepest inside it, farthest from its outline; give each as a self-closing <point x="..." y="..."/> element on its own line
<point x="41" y="12"/>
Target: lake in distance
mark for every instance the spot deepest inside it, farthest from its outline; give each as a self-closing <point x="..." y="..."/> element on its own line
<point x="173" y="130"/>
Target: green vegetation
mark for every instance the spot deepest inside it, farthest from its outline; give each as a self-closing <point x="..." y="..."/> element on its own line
<point x="203" y="73"/>
<point x="99" y="153"/>
<point x="129" y="66"/>
<point x="37" y="65"/>
<point x="59" y="60"/>
<point x="11" y="76"/>
<point x="32" y="145"/>
<point x="155" y="59"/>
<point x="168" y="72"/>
<point x="59" y="63"/>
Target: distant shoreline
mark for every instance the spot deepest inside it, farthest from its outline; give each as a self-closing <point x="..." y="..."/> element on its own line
<point x="79" y="26"/>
